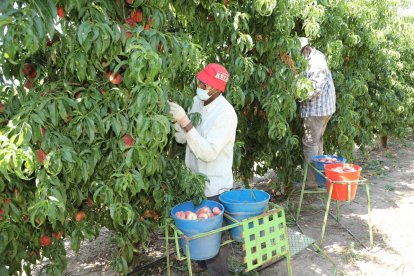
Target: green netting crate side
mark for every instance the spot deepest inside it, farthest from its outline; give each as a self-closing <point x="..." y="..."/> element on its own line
<point x="265" y="238"/>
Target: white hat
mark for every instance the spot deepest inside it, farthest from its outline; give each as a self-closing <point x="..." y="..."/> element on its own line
<point x="303" y="42"/>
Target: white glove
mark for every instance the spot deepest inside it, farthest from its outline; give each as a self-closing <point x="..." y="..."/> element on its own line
<point x="179" y="134"/>
<point x="178" y="114"/>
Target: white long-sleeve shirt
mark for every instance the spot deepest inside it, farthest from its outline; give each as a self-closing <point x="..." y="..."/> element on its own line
<point x="210" y="144"/>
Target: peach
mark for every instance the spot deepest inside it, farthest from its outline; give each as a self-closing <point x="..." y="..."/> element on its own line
<point x="205" y="209"/>
<point x="216" y="211"/>
<point x="203" y="216"/>
<point x="180" y="215"/>
<point x="191" y="216"/>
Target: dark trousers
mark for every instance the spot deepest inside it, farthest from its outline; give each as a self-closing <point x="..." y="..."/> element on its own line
<point x="217" y="266"/>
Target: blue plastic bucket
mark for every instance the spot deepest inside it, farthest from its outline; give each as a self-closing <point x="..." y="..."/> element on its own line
<point x="319" y="164"/>
<point x="206" y="247"/>
<point x="243" y="204"/>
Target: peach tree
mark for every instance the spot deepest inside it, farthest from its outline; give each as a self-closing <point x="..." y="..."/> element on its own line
<point x="85" y="137"/>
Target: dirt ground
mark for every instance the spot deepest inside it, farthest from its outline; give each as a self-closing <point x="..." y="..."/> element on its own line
<point x="390" y="173"/>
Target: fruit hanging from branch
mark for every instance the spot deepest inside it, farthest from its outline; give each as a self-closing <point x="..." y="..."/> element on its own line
<point x="61" y="12"/>
<point x="45" y="240"/>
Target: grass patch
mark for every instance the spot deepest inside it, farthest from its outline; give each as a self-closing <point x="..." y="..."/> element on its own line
<point x="236" y="267"/>
<point x="389" y="155"/>
<point x="389" y="187"/>
<point x="350" y="255"/>
<point x="374" y="167"/>
<point x="290" y="221"/>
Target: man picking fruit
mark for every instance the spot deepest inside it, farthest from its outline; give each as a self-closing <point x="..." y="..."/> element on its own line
<point x="210" y="144"/>
<point x="318" y="108"/>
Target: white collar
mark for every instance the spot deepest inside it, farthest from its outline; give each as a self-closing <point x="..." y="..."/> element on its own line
<point x="313" y="51"/>
<point x="213" y="103"/>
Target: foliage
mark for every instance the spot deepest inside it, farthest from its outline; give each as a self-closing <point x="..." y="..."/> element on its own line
<point x="85" y="137"/>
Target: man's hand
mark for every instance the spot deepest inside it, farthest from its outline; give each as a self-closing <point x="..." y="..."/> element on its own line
<point x="179" y="134"/>
<point x="178" y="114"/>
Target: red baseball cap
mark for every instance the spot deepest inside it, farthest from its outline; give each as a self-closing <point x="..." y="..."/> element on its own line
<point x="214" y="75"/>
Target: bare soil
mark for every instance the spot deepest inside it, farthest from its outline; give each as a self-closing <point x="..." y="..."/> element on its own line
<point x="390" y="173"/>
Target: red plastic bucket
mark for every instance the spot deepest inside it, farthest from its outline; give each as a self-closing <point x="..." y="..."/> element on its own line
<point x="319" y="161"/>
<point x="343" y="172"/>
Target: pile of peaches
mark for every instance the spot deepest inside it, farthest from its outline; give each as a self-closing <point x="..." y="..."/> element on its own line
<point x="202" y="213"/>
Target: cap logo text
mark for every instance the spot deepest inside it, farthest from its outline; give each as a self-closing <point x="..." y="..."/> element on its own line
<point x="222" y="76"/>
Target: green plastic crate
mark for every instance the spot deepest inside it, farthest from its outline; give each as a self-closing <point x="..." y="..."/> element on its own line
<point x="265" y="239"/>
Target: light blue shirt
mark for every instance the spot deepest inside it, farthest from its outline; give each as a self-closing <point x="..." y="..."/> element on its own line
<point x="322" y="101"/>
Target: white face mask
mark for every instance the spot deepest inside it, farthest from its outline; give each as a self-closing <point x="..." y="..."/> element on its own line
<point x="202" y="94"/>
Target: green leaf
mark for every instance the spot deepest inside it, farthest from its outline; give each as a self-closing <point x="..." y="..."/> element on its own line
<point x="128" y="159"/>
<point x="119" y="66"/>
<point x="83" y="32"/>
<point x="53" y="164"/>
<point x="67" y="154"/>
<point x="90" y="129"/>
<point x="85" y="174"/>
<point x="3" y="169"/>
<point x="75" y="239"/>
<point x="47" y="11"/>
<point x="22" y="135"/>
<point x="52" y="111"/>
<point x="116" y="126"/>
<point x="62" y="110"/>
<point x="116" y="34"/>
<point x="81" y="66"/>
<point x="40" y="27"/>
<point x="5" y="20"/>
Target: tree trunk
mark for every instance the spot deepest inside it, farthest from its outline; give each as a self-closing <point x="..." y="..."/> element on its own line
<point x="384" y="142"/>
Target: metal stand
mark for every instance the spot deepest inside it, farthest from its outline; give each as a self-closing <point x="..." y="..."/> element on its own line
<point x="360" y="181"/>
<point x="265" y="240"/>
<point x="266" y="237"/>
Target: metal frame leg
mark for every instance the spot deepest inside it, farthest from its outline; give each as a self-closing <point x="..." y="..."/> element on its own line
<point x="187" y="245"/>
<point x="320" y="251"/>
<point x="287" y="255"/>
<point x="277" y="209"/>
<point x="362" y="181"/>
<point x="167" y="251"/>
<point x="371" y="238"/>
<point x="328" y="203"/>
<point x="302" y="191"/>
<point x="337" y="210"/>
<point x="289" y="264"/>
